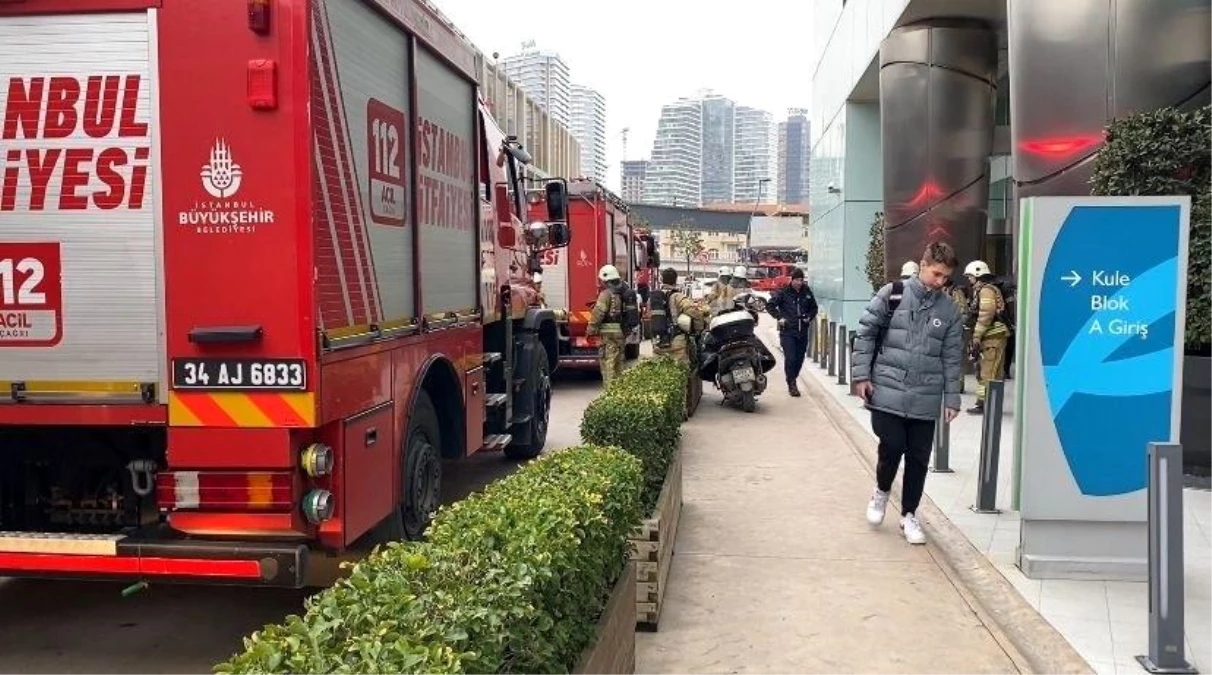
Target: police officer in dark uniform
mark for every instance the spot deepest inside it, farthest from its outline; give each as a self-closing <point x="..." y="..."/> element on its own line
<point x="795" y="308"/>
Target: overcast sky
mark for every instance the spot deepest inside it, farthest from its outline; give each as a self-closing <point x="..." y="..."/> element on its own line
<point x="641" y="54"/>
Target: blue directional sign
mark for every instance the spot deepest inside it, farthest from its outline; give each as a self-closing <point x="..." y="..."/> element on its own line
<point x="1101" y="294"/>
<point x="1107" y="324"/>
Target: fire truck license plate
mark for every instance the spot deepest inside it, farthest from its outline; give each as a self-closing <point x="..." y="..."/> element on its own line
<point x="240" y="374"/>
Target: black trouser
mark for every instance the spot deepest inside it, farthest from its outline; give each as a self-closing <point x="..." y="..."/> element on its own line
<point x="903" y="436"/>
<point x="795" y="347"/>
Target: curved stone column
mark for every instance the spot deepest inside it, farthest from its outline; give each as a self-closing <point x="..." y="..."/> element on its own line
<point x="1077" y="64"/>
<point x="938" y="89"/>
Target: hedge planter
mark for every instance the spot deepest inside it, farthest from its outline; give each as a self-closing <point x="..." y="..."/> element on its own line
<point x="613" y="648"/>
<point x="652" y="549"/>
<point x="1196" y="434"/>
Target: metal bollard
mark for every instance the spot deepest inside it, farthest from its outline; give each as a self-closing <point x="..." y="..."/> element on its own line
<point x="1165" y="495"/>
<point x="812" y="340"/>
<point x="843" y="367"/>
<point x="942" y="442"/>
<point x="816" y="341"/>
<point x="827" y="361"/>
<point x="831" y="365"/>
<point x="991" y="437"/>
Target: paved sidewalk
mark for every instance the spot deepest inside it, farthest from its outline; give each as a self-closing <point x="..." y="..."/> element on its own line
<point x="776" y="569"/>
<point x="1105" y="621"/>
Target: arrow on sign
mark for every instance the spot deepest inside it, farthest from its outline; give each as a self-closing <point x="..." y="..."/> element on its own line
<point x="1073" y="278"/>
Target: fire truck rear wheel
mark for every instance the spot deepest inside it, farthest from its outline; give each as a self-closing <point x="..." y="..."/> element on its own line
<point x="422" y="480"/>
<point x="540" y="375"/>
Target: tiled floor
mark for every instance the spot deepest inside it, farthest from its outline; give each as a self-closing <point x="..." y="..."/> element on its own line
<point x="1107" y="622"/>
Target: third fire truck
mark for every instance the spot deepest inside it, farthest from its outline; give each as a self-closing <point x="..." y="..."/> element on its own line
<point x="601" y="235"/>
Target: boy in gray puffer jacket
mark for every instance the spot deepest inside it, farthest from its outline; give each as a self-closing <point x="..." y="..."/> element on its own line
<point x="906" y="366"/>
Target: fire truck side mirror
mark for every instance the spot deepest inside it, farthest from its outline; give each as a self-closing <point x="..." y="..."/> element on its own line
<point x="559" y="234"/>
<point x="557" y="201"/>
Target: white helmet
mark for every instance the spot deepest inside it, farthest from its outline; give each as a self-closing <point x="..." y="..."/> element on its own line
<point x="684" y="322"/>
<point x="977" y="268"/>
<point x="740" y="271"/>
<point x="608" y="273"/>
<point x="725" y="271"/>
<point x="909" y="269"/>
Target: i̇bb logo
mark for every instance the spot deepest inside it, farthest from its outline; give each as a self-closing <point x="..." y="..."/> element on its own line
<point x="385" y="136"/>
<point x="31" y="295"/>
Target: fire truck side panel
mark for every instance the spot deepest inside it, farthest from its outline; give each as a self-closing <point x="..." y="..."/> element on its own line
<point x="447" y="206"/>
<point x="556" y="279"/>
<point x="80" y="244"/>
<point x="587" y="240"/>
<point x="363" y="159"/>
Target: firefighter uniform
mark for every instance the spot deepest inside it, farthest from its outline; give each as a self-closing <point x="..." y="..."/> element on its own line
<point x="681" y="344"/>
<point x="989" y="334"/>
<point x="720" y="296"/>
<point x="606" y="322"/>
<point x="956" y="294"/>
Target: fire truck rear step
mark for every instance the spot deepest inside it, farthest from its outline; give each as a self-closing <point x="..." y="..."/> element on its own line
<point x="60" y="543"/>
<point x="495" y="400"/>
<point x="496" y="441"/>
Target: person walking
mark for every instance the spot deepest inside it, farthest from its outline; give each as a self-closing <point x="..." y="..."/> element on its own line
<point x="795" y="308"/>
<point x="906" y="368"/>
<point x="990" y="332"/>
<point x="606" y="322"/>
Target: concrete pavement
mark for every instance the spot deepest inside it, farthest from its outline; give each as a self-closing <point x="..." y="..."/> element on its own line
<point x="776" y="570"/>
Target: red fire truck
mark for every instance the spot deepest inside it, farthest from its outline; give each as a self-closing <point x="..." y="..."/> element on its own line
<point x="601" y="235"/>
<point x="262" y="270"/>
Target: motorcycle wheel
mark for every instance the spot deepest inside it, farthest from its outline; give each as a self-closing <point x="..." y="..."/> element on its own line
<point x="748" y="401"/>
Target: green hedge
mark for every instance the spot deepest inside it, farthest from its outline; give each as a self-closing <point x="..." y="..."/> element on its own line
<point x="642" y="412"/>
<point x="510" y="580"/>
<point x="1167" y="152"/>
<point x="875" y="269"/>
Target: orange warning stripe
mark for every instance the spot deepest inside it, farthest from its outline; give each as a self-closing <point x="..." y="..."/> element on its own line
<point x="240" y="409"/>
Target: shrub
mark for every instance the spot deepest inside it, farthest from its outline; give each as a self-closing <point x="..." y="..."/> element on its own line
<point x="1166" y="152"/>
<point x="642" y="413"/>
<point x="876" y="274"/>
<point x="512" y="579"/>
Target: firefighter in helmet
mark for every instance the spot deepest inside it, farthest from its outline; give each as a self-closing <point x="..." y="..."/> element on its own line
<point x="720" y="296"/>
<point x="909" y="269"/>
<point x="606" y="322"/>
<point x="989" y="330"/>
<point x="682" y="317"/>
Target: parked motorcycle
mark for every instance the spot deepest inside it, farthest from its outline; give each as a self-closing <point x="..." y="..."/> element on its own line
<point x="735" y="360"/>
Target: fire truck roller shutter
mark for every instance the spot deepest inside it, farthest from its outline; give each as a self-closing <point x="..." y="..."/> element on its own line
<point x="81" y="242"/>
<point x="363" y="154"/>
<point x="447" y="203"/>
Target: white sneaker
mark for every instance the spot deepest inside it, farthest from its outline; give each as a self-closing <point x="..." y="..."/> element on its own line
<point x="913" y="529"/>
<point x="876" y="507"/>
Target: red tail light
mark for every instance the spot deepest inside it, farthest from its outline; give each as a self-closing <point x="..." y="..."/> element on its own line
<point x="225" y="490"/>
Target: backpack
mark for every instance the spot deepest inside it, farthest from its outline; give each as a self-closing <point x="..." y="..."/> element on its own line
<point x="659" y="321"/>
<point x="631" y="310"/>
<point x="1009" y="291"/>
<point x="894" y="301"/>
<point x="1007" y="314"/>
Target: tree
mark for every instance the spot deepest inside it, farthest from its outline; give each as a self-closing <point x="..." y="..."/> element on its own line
<point x="689" y="242"/>
<point x="875" y="254"/>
